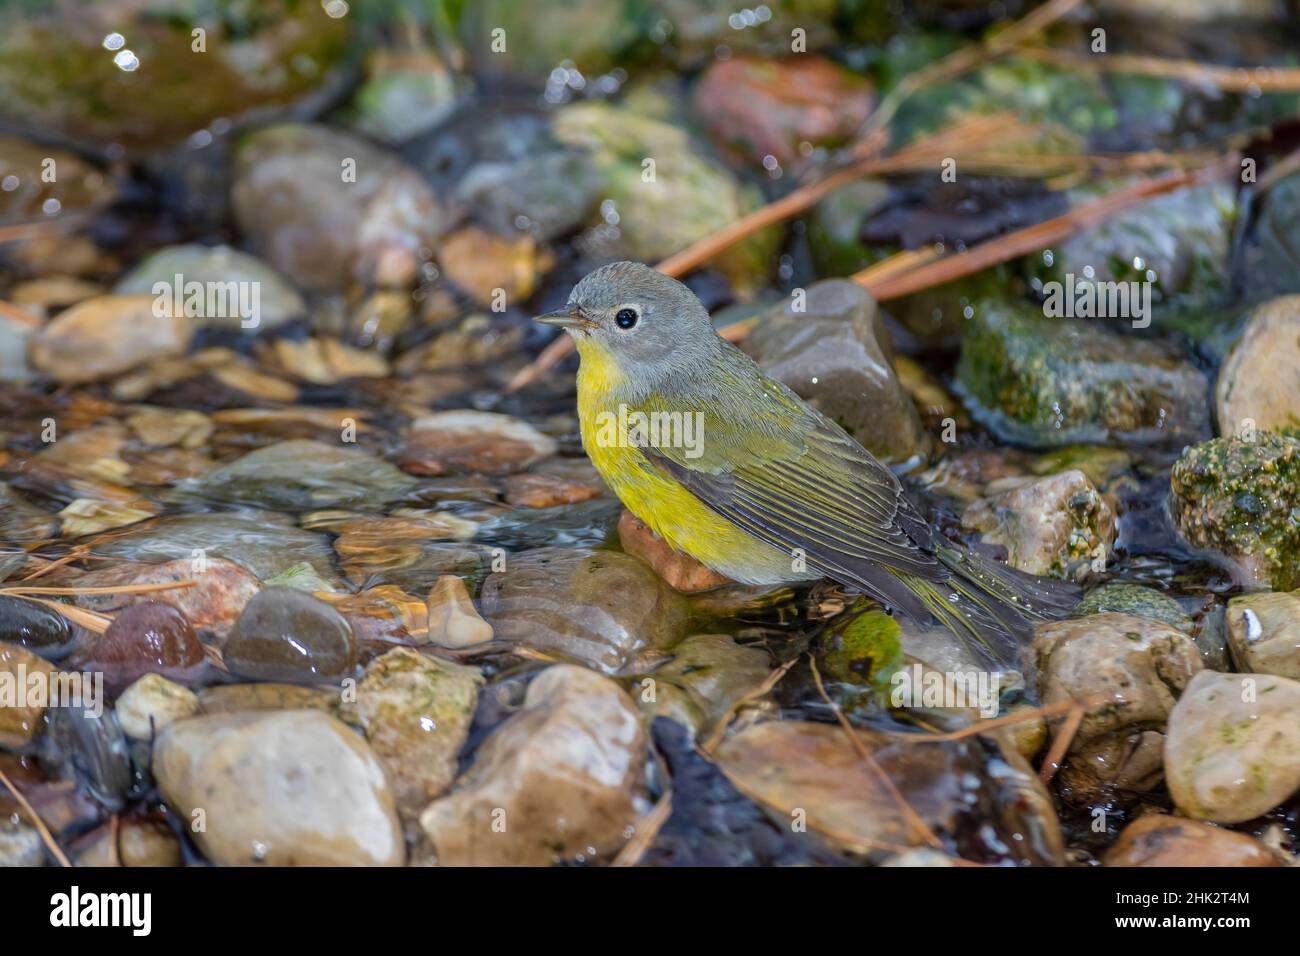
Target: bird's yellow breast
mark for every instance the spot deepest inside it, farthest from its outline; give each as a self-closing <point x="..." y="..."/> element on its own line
<point x="670" y="510"/>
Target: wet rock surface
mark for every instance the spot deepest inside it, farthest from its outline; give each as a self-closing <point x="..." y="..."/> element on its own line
<point x="1058" y="526"/>
<point x="282" y="461"/>
<point x="1159" y="840"/>
<point x="147" y="638"/>
<point x="1233" y="751"/>
<point x="325" y="207"/>
<point x="1047" y="382"/>
<point x="1130" y="672"/>
<point x="416" y="712"/>
<point x="566" y="770"/>
<point x="831" y="348"/>
<point x="1239" y="498"/>
<point x="1264" y="633"/>
<point x="604" y="609"/>
<point x="280" y="788"/>
<point x="1259" y="384"/>
<point x="285" y="634"/>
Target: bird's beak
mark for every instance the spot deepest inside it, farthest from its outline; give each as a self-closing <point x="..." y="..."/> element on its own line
<point x="566" y="318"/>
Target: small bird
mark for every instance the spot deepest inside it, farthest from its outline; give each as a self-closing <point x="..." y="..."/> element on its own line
<point x="734" y="469"/>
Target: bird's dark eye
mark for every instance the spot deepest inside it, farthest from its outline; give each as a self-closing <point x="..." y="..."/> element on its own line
<point x="626" y="318"/>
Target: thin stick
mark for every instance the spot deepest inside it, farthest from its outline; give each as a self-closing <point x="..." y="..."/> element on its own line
<point x="1233" y="79"/>
<point x="720" y="728"/>
<point x="41" y="828"/>
<point x="1061" y="743"/>
<point x="967" y="134"/>
<point x="90" y="620"/>
<point x="646" y="831"/>
<point x="984" y="726"/>
<point x="913" y="818"/>
<point x="1032" y="238"/>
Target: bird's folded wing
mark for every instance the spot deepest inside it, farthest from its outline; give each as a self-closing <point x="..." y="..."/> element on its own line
<point x="804" y="485"/>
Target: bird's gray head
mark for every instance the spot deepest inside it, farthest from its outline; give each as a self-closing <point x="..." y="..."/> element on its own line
<point x="649" y="324"/>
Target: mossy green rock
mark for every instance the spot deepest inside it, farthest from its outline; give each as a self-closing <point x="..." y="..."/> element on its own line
<point x="1124" y="598"/>
<point x="60" y="75"/>
<point x="862" y="649"/>
<point x="653" y="211"/>
<point x="529" y="40"/>
<point x="1050" y="382"/>
<point x="1243" y="499"/>
<point x="1179" y="242"/>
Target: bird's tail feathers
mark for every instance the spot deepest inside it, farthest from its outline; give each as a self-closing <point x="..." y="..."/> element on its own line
<point x="991" y="607"/>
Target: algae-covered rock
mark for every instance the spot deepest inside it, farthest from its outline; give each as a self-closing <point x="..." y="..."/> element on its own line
<point x="697" y="27"/>
<point x="1178" y="242"/>
<point x="1049" y="382"/>
<point x="529" y="40"/>
<point x="829" y="345"/>
<point x="1122" y="597"/>
<point x="662" y="193"/>
<point x="862" y="649"/>
<point x="1242" y="498"/>
<point x="131" y="72"/>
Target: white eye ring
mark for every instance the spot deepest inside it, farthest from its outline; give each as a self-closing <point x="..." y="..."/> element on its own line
<point x="626" y="318"/>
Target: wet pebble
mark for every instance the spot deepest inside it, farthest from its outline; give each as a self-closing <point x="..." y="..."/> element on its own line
<point x="20" y="716"/>
<point x="1233" y="751"/>
<point x="211" y="602"/>
<point x="416" y="711"/>
<point x="1160" y="840"/>
<point x="36" y="627"/>
<point x="1264" y="633"/>
<point x="1131" y="670"/>
<point x="20" y="844"/>
<point x="482" y="442"/>
<point x="136" y="842"/>
<point x="147" y="638"/>
<point x="1259" y="384"/>
<point x="600" y="608"/>
<point x="279" y="788"/>
<point x="107" y="335"/>
<point x="564" y="774"/>
<point x="453" y="620"/>
<point x="1058" y="526"/>
<point x="151" y="703"/>
<point x="287" y="635"/>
